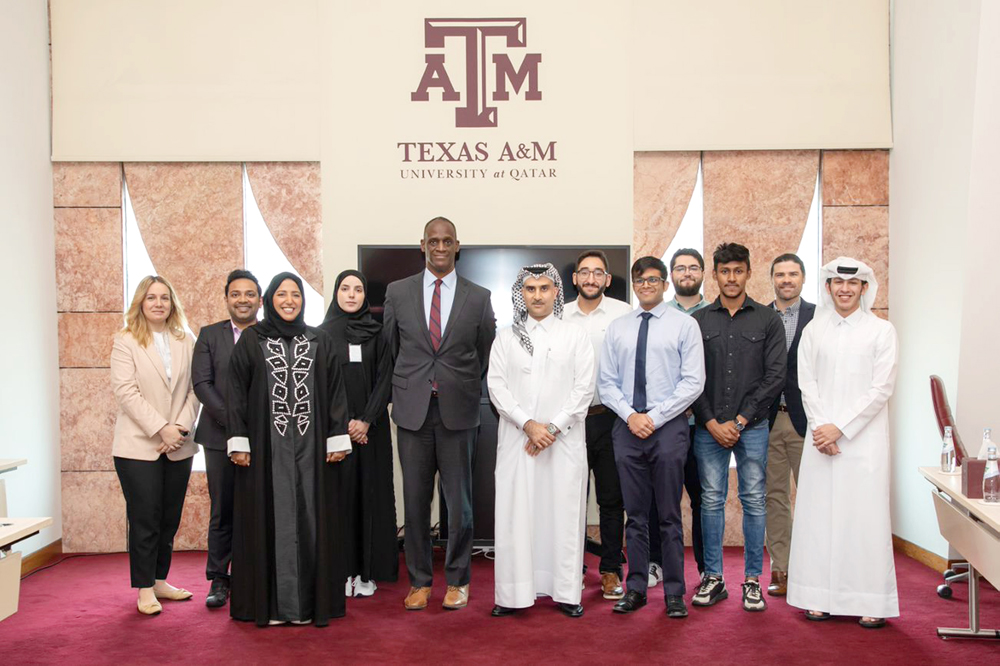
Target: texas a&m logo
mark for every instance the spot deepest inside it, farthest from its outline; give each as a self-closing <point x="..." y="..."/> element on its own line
<point x="482" y="84"/>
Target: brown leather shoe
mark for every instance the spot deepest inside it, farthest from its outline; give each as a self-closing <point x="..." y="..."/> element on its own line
<point x="457" y="597"/>
<point x="417" y="598"/>
<point x="611" y="586"/>
<point x="779" y="584"/>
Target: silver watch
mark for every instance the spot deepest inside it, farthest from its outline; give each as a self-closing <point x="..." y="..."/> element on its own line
<point x="552" y="429"/>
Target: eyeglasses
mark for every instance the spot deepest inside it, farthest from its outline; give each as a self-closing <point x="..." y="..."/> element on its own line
<point x="687" y="269"/>
<point x="597" y="273"/>
<point x="652" y="281"/>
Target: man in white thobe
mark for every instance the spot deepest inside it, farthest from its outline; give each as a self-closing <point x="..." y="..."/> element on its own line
<point x="541" y="381"/>
<point x="841" y="557"/>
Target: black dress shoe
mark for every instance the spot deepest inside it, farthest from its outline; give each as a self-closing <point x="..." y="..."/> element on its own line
<point x="571" y="610"/>
<point x="502" y="611"/>
<point x="633" y="601"/>
<point x="218" y="594"/>
<point x="676" y="606"/>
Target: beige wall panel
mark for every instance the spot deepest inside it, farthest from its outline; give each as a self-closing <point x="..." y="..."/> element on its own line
<point x="85" y="338"/>
<point x="89" y="259"/>
<point x="855" y="177"/>
<point x="86" y="184"/>
<point x="87" y="411"/>
<point x="662" y="184"/>
<point x="759" y="199"/>
<point x="290" y="200"/>
<point x="736" y="75"/>
<point x="193" y="531"/>
<point x="146" y="80"/>
<point x="93" y="513"/>
<point x="861" y="232"/>
<point x="191" y="220"/>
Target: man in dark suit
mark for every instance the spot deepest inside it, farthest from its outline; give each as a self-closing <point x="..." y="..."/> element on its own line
<point x="209" y="366"/>
<point x="439" y="327"/>
<point x="787" y="418"/>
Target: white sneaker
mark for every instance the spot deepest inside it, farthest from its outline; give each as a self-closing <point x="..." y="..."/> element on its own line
<point x="349" y="588"/>
<point x="655" y="575"/>
<point x="364" y="588"/>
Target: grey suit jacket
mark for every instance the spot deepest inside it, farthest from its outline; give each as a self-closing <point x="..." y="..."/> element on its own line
<point x="210" y="372"/>
<point x="458" y="366"/>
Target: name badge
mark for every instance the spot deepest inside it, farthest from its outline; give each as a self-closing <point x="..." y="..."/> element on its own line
<point x="355" y="353"/>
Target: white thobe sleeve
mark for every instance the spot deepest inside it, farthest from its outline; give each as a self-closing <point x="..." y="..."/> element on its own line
<point x="496" y="382"/>
<point x="808" y="385"/>
<point x="574" y="410"/>
<point x="871" y="403"/>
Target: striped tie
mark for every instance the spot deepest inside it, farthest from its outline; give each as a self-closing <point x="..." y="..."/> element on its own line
<point x="435" y="324"/>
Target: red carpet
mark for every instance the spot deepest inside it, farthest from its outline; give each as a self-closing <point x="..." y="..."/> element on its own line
<point x="82" y="611"/>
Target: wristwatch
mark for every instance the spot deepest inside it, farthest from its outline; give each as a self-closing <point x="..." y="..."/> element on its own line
<point x="552" y="429"/>
<point x="739" y="426"/>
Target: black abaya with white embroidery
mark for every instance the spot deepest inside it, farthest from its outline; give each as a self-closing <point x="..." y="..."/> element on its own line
<point x="287" y="397"/>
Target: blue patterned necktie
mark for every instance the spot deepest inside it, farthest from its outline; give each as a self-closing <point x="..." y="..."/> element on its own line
<point x="639" y="393"/>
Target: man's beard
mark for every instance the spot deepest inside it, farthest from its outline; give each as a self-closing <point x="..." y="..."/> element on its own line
<point x="584" y="295"/>
<point x="687" y="290"/>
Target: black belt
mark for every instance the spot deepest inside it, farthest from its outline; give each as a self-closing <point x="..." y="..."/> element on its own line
<point x="783" y="408"/>
<point x="597" y="409"/>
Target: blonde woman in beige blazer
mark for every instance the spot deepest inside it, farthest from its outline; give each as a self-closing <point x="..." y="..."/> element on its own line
<point x="153" y="447"/>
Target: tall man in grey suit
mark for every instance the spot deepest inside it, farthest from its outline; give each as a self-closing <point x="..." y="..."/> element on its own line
<point x="439" y="327"/>
<point x="209" y="373"/>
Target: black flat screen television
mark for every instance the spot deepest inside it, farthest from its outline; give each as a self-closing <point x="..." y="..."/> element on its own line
<point x="492" y="266"/>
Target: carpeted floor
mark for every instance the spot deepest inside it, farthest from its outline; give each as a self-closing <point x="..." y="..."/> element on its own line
<point x="82" y="611"/>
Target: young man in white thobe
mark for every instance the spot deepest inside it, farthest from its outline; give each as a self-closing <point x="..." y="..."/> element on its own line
<point x="541" y="380"/>
<point x="841" y="557"/>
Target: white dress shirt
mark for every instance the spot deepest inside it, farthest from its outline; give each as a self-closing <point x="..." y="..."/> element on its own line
<point x="595" y="324"/>
<point x="447" y="296"/>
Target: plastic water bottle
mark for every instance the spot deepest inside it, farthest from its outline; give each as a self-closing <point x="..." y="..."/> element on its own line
<point x="984" y="450"/>
<point x="991" y="478"/>
<point x="948" y="452"/>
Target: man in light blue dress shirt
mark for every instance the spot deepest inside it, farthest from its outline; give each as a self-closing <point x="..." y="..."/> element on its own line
<point x="652" y="369"/>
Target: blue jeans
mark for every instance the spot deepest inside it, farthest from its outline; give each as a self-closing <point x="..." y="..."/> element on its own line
<point x="713" y="469"/>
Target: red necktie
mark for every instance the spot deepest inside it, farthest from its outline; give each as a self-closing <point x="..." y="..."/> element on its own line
<point x="435" y="325"/>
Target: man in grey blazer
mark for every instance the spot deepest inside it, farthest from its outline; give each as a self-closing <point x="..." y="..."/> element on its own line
<point x="209" y="373"/>
<point x="439" y="327"/>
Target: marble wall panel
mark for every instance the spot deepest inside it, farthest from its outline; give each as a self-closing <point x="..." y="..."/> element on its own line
<point x="855" y="178"/>
<point x="87" y="411"/>
<point x="93" y="513"/>
<point x="759" y="199"/>
<point x="85" y="338"/>
<point x="191" y="220"/>
<point x="289" y="198"/>
<point x="87" y="184"/>
<point x="662" y="186"/>
<point x="89" y="273"/>
<point x="861" y="232"/>
<point x="193" y="531"/>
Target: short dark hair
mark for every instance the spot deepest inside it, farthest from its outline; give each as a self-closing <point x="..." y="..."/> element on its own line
<point x="727" y="253"/>
<point x="643" y="264"/>
<point x="687" y="252"/>
<point x="592" y="253"/>
<point x="240" y="274"/>
<point x="439" y="218"/>
<point x="788" y="256"/>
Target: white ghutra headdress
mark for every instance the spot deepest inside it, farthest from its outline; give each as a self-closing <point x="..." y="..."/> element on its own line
<point x="521" y="310"/>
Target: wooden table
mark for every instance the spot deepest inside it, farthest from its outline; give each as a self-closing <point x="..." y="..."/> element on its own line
<point x="973" y="529"/>
<point x="7" y="465"/>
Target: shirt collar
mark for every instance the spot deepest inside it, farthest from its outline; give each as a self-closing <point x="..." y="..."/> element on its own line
<point x="700" y="304"/>
<point x="573" y="307"/>
<point x="852" y="319"/>
<point x="791" y="309"/>
<point x="447" y="281"/>
<point x="546" y="324"/>
<point x="656" y="312"/>
<point x="747" y="303"/>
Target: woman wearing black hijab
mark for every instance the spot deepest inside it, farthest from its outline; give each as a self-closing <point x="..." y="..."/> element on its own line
<point x="287" y="413"/>
<point x="370" y="505"/>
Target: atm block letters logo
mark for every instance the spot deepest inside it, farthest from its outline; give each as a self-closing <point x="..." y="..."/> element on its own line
<point x="490" y="73"/>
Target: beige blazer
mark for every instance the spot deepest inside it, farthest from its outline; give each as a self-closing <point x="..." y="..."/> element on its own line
<point x="146" y="402"/>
